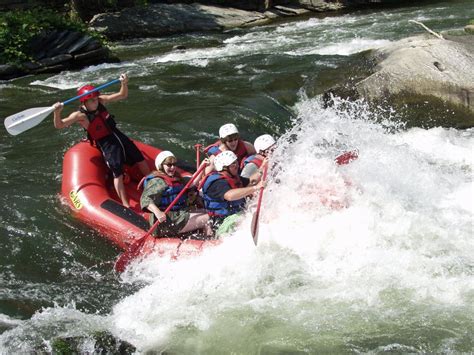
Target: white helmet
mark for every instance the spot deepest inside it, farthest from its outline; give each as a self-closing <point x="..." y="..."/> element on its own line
<point x="224" y="159"/>
<point x="160" y="158"/>
<point x="227" y="130"/>
<point x="263" y="142"/>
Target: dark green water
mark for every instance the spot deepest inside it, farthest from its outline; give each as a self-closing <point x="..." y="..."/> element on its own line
<point x="393" y="272"/>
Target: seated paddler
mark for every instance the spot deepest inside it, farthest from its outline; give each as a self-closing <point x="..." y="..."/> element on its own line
<point x="224" y="191"/>
<point x="160" y="189"/>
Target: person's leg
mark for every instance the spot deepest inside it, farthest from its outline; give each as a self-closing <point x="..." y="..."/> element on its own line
<point x="198" y="221"/>
<point x="120" y="188"/>
<point x="133" y="154"/>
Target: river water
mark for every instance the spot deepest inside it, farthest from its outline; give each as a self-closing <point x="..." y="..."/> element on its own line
<point x="374" y="256"/>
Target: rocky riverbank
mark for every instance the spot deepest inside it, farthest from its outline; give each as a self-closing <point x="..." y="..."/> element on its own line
<point x="159" y="20"/>
<point x="60" y="50"/>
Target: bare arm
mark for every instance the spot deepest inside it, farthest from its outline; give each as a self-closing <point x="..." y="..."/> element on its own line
<point x="250" y="148"/>
<point x="210" y="168"/>
<point x="199" y="177"/>
<point x="257" y="175"/>
<point x="121" y="95"/>
<point x="69" y="120"/>
<point x="157" y="212"/>
<point x="241" y="192"/>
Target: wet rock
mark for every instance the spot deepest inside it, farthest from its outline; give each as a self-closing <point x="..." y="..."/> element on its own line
<point x="63" y="45"/>
<point x="163" y="19"/>
<point x="318" y="5"/>
<point x="80" y="44"/>
<point x="10" y="71"/>
<point x="285" y="11"/>
<point x="30" y="66"/>
<point x="179" y="47"/>
<point x="55" y="51"/>
<point x="424" y="66"/>
<point x="98" y="343"/>
<point x="49" y="62"/>
<point x="90" y="57"/>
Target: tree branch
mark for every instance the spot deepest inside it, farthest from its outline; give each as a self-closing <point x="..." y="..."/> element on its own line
<point x="426" y="28"/>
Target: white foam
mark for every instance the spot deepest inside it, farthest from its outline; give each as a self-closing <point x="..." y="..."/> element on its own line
<point x="389" y="228"/>
<point x="346" y="48"/>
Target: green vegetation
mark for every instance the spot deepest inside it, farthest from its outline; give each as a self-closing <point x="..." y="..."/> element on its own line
<point x="18" y="28"/>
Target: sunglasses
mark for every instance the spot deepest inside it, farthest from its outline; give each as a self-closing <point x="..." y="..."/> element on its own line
<point x="169" y="165"/>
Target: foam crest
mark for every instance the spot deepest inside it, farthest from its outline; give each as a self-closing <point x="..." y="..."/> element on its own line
<point x="350" y="47"/>
<point x="101" y="73"/>
<point x="67" y="319"/>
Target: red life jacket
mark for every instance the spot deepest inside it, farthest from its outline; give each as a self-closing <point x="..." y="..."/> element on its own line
<point x="170" y="181"/>
<point x="100" y="123"/>
<point x="175" y="185"/>
<point x="252" y="159"/>
<point x="233" y="181"/>
<point x="241" y="150"/>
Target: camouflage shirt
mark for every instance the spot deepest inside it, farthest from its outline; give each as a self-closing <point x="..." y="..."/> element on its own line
<point x="175" y="220"/>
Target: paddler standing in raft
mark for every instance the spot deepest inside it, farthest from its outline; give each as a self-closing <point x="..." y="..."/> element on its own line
<point x="117" y="149"/>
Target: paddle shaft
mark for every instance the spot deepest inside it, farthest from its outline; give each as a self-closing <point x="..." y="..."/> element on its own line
<point x="181" y="193"/>
<point x="87" y="93"/>
<point x="257" y="211"/>
<point x="134" y="249"/>
<point x="198" y="154"/>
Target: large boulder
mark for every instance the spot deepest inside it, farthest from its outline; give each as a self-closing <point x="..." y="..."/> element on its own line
<point x="166" y="19"/>
<point x="424" y="66"/>
<point x="54" y="51"/>
<point x="313" y="5"/>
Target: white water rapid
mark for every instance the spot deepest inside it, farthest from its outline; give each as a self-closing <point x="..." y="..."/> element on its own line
<point x="343" y="250"/>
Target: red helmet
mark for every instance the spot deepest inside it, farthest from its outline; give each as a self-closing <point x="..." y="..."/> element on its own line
<point x="85" y="89"/>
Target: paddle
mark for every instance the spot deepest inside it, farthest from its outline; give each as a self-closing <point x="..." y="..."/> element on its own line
<point x="198" y="146"/>
<point x="256" y="214"/>
<point x="344" y="158"/>
<point x="24" y="120"/>
<point x="134" y="249"/>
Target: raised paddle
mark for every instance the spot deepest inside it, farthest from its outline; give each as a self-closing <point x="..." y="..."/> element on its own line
<point x="24" y="120"/>
<point x="134" y="249"/>
<point x="256" y="214"/>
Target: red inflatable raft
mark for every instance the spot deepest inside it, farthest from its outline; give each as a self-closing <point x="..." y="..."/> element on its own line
<point x="87" y="186"/>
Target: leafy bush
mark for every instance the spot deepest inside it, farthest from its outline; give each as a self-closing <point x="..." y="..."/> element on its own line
<point x="18" y="28"/>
